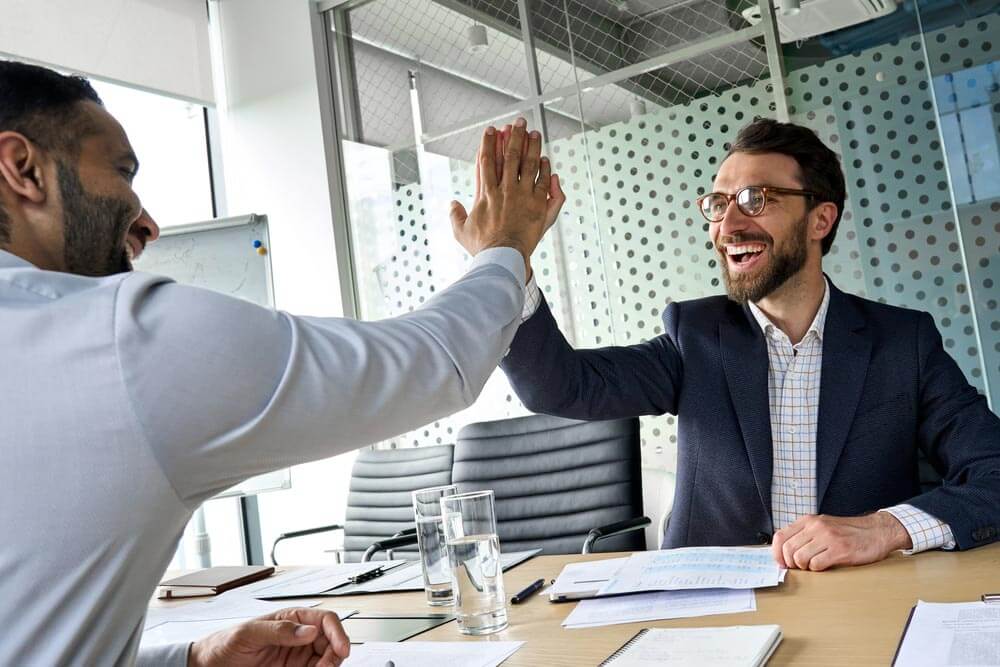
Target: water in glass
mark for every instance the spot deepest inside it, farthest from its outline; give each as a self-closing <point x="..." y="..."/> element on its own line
<point x="480" y="604"/>
<point x="434" y="556"/>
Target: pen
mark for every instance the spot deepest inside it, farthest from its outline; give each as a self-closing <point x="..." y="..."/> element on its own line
<point x="526" y="593"/>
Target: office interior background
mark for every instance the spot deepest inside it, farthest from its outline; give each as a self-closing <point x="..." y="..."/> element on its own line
<point x="353" y="124"/>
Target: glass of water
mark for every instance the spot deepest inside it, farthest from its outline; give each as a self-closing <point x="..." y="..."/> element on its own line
<point x="470" y="533"/>
<point x="430" y="542"/>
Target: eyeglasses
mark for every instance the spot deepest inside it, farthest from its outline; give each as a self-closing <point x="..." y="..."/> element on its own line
<point x="751" y="201"/>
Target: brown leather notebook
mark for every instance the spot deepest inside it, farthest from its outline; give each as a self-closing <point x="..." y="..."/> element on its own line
<point x="212" y="581"/>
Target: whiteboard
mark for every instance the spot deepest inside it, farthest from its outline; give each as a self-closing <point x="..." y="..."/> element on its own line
<point x="221" y="255"/>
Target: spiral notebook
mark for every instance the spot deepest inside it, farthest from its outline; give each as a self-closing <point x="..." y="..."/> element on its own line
<point x="742" y="645"/>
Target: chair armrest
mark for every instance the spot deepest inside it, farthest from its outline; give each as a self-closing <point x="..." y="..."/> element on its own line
<point x="301" y="533"/>
<point x="402" y="539"/>
<point x="612" y="529"/>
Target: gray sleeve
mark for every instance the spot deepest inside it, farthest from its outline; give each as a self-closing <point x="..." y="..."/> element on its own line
<point x="223" y="389"/>
<point x="167" y="655"/>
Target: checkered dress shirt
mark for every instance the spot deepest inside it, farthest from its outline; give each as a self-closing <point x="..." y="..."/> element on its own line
<point x="793" y="389"/>
<point x="793" y="382"/>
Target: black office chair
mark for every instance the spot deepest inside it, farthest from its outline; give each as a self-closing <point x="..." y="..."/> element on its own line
<point x="379" y="504"/>
<point x="555" y="479"/>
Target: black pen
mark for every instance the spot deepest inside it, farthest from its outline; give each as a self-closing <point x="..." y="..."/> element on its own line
<point x="526" y="593"/>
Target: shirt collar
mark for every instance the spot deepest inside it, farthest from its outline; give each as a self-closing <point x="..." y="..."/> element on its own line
<point x="818" y="323"/>
<point x="9" y="260"/>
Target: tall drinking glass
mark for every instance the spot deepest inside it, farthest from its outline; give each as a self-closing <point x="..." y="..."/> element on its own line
<point x="430" y="542"/>
<point x="470" y="532"/>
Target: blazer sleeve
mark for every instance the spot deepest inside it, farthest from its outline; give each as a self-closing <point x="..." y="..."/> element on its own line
<point x="961" y="438"/>
<point x="550" y="377"/>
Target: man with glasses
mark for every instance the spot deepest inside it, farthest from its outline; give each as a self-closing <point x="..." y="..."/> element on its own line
<point x="802" y="411"/>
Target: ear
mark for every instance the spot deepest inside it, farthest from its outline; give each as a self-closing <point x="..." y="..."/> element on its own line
<point x="21" y="167"/>
<point x="823" y="217"/>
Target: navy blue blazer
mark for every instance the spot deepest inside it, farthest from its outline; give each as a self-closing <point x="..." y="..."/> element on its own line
<point x="887" y="388"/>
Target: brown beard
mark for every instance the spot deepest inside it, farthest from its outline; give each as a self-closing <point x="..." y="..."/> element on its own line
<point x="782" y="266"/>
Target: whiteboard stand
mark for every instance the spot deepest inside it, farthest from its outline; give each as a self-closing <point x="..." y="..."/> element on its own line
<point x="224" y="255"/>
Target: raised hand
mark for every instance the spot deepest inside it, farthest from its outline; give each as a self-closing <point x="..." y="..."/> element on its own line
<point x="517" y="198"/>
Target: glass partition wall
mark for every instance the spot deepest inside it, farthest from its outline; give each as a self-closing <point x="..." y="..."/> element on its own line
<point x="638" y="100"/>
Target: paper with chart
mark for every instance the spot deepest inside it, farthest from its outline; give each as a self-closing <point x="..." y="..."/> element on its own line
<point x="431" y="654"/>
<point x="956" y="633"/>
<point x="660" y="605"/>
<point x="695" y="567"/>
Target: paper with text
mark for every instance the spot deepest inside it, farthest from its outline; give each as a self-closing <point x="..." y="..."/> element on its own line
<point x="660" y="605"/>
<point x="695" y="567"/>
<point x="955" y="633"/>
<point x="431" y="654"/>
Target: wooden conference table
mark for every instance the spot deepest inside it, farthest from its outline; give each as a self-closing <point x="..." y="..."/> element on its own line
<point x="842" y="616"/>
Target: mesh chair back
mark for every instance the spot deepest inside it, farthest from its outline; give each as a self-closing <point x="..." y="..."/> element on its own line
<point x="379" y="503"/>
<point x="554" y="479"/>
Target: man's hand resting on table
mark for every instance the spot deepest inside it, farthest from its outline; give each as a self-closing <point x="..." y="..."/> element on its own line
<point x="818" y="542"/>
<point x="290" y="637"/>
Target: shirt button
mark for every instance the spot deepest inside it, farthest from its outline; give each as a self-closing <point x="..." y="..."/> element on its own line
<point x="791" y="429"/>
<point x="764" y="538"/>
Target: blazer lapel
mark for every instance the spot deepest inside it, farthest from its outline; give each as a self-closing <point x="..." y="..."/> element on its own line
<point x="744" y="359"/>
<point x="846" y="352"/>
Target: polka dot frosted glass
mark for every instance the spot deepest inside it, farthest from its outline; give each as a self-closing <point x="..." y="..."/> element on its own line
<point x="631" y="238"/>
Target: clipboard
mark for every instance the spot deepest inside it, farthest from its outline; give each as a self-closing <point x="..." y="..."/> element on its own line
<point x="373" y="627"/>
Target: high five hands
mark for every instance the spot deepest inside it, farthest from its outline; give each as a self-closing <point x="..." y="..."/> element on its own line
<point x="517" y="196"/>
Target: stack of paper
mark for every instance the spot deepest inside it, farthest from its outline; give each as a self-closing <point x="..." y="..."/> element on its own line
<point x="431" y="654"/>
<point x="695" y="567"/>
<point x="660" y="605"/>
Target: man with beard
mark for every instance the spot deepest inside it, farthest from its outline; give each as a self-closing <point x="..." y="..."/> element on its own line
<point x="127" y="400"/>
<point x="801" y="409"/>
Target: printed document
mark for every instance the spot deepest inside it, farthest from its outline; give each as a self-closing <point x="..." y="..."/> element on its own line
<point x="583" y="580"/>
<point x="660" y="605"/>
<point x="193" y="625"/>
<point x="955" y="633"/>
<point x="306" y="581"/>
<point x="431" y="654"/>
<point x="695" y="567"/>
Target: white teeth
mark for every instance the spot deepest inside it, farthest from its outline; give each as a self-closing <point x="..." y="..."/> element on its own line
<point x="129" y="252"/>
<point x="741" y="249"/>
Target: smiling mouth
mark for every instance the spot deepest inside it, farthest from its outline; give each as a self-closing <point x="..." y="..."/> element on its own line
<point x="744" y="254"/>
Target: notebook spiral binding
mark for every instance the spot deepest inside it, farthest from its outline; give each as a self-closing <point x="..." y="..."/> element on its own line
<point x="624" y="648"/>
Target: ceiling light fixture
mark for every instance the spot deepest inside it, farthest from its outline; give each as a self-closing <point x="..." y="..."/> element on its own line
<point x="476" y="39"/>
<point x="790" y="7"/>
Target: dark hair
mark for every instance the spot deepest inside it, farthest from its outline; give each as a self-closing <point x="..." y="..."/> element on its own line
<point x="819" y="166"/>
<point x="43" y="106"/>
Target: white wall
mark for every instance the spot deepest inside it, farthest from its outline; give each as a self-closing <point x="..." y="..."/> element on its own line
<point x="274" y="163"/>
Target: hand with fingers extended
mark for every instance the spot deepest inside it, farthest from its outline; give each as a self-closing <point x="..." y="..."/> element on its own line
<point x="290" y="637"/>
<point x="517" y="197"/>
